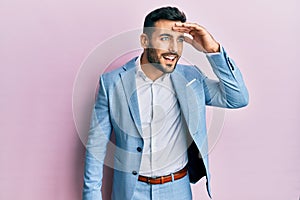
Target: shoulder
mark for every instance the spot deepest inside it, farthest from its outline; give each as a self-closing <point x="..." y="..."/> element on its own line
<point x="115" y="73"/>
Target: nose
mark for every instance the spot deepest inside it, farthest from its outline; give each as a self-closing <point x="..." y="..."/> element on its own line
<point x="173" y="46"/>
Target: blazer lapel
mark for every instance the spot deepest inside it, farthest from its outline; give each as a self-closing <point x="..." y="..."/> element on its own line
<point x="179" y="83"/>
<point x="129" y="86"/>
<point x="185" y="95"/>
<point x="187" y="98"/>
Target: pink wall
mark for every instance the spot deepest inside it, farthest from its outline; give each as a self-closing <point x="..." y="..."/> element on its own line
<point x="44" y="43"/>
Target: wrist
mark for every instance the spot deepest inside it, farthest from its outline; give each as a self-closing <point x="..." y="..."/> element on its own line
<point x="214" y="49"/>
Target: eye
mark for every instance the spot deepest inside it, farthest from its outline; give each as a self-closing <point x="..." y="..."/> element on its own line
<point x="181" y="39"/>
<point x="164" y="38"/>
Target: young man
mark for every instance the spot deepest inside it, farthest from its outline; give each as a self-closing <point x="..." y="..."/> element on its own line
<point x="156" y="109"/>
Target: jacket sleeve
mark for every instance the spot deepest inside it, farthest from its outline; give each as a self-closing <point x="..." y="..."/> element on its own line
<point x="99" y="135"/>
<point x="229" y="91"/>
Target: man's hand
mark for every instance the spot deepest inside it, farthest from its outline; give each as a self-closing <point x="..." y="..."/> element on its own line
<point x="202" y="40"/>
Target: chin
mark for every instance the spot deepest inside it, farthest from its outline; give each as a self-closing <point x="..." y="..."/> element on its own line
<point x="169" y="69"/>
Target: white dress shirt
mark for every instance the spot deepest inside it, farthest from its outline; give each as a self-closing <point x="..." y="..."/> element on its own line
<point x="164" y="130"/>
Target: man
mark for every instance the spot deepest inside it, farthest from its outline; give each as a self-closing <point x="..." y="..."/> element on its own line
<point x="156" y="109"/>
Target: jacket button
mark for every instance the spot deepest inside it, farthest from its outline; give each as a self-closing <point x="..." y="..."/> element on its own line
<point x="139" y="149"/>
<point x="134" y="172"/>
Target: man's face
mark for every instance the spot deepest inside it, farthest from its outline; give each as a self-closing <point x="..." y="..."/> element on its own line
<point x="165" y="46"/>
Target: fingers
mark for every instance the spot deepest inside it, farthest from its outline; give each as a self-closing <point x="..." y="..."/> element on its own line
<point x="187" y="27"/>
<point x="190" y="41"/>
<point x="187" y="24"/>
<point x="187" y="39"/>
<point x="181" y="28"/>
<point x="200" y="38"/>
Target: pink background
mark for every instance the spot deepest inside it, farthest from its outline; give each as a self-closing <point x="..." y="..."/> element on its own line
<point x="43" y="44"/>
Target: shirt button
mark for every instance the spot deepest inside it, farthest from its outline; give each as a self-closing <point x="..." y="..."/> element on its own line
<point x="134" y="172"/>
<point x="139" y="149"/>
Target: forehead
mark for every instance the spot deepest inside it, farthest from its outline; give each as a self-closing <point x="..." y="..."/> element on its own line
<point x="165" y="26"/>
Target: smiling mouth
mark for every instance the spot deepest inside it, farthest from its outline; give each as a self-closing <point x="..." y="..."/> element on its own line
<point x="170" y="57"/>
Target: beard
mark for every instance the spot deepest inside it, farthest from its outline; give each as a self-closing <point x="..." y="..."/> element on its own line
<point x="152" y="57"/>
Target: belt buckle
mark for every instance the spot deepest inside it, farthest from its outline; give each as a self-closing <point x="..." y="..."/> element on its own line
<point x="151" y="178"/>
<point x="148" y="180"/>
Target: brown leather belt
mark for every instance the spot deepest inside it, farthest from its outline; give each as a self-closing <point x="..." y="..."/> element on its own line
<point x="163" y="179"/>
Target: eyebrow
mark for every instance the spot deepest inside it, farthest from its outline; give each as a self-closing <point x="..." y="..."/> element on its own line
<point x="169" y="35"/>
<point x="165" y="34"/>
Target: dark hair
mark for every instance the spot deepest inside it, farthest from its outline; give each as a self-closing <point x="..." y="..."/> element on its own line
<point x="168" y="13"/>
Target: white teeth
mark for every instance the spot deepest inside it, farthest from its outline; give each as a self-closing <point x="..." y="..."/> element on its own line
<point x="170" y="57"/>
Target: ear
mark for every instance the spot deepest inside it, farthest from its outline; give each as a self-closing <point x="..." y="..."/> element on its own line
<point x="144" y="40"/>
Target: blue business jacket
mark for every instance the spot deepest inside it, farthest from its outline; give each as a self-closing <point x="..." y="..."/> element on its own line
<point x="116" y="109"/>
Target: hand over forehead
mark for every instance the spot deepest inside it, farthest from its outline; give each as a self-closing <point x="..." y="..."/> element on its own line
<point x="188" y="27"/>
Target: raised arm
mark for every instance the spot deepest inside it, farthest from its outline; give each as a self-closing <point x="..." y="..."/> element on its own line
<point x="229" y="91"/>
